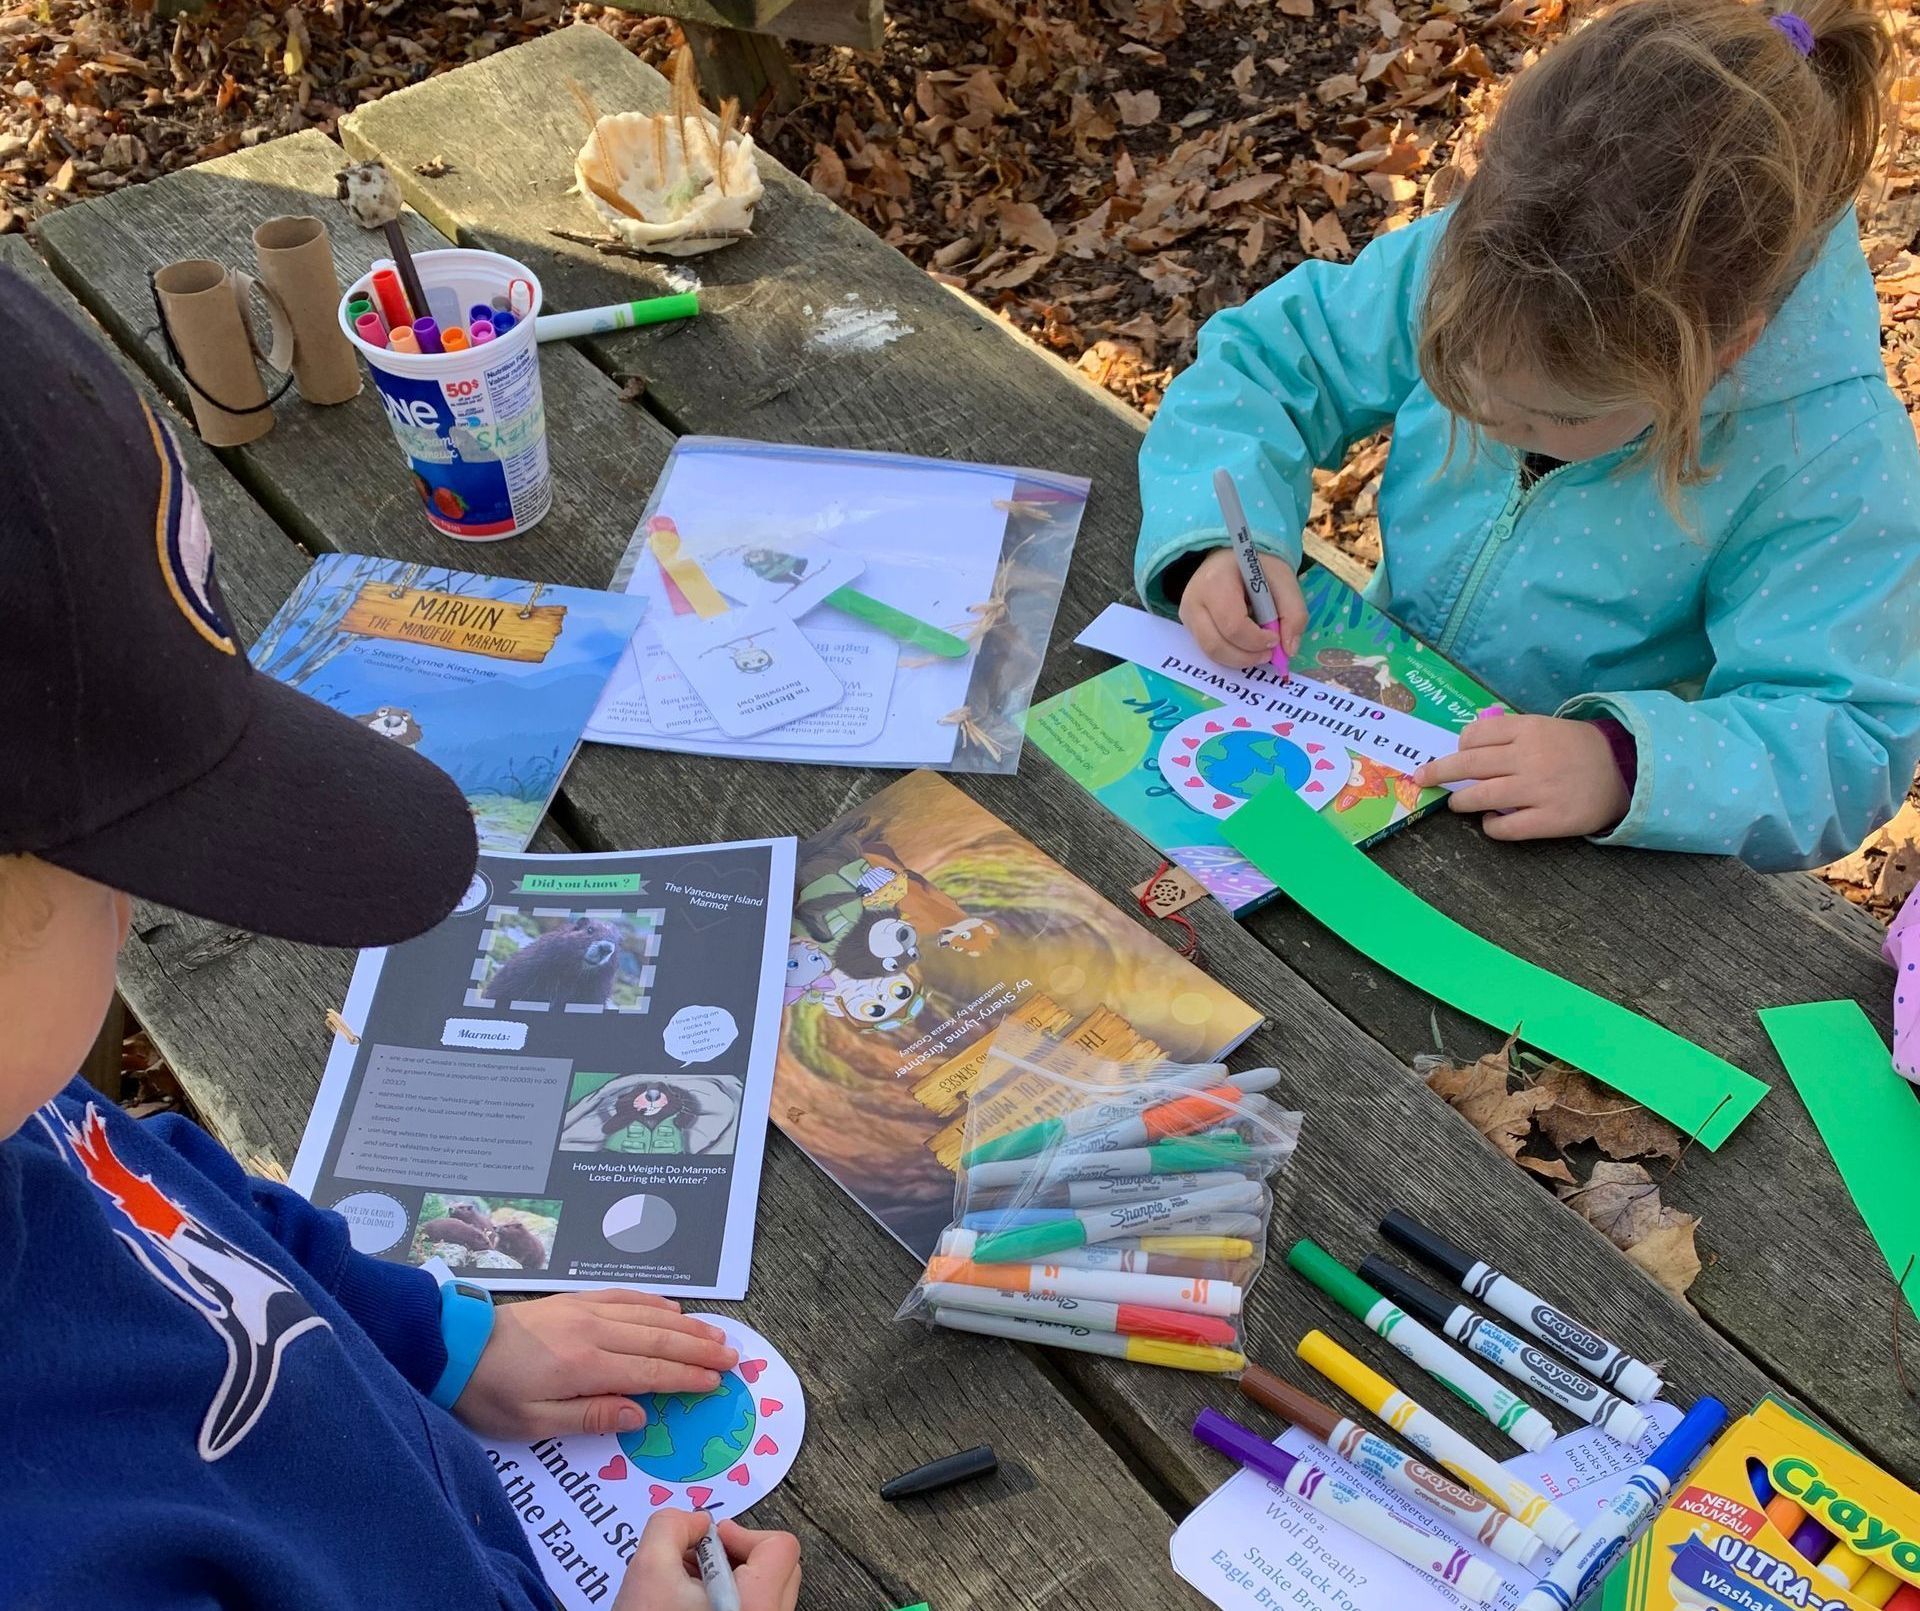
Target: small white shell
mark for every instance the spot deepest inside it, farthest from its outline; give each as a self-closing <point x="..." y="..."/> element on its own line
<point x="683" y="211"/>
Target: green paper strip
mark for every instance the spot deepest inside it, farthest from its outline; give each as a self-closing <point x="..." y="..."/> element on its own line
<point x="1868" y="1116"/>
<point x="1308" y="858"/>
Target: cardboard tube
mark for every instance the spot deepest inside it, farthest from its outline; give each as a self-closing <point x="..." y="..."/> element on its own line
<point x="296" y="265"/>
<point x="201" y="306"/>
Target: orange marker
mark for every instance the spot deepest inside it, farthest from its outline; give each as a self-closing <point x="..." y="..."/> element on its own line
<point x="402" y="339"/>
<point x="454" y="340"/>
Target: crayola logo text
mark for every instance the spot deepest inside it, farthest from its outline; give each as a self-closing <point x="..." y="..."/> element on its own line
<point x="1800" y="1479"/>
<point x="1566" y="1336"/>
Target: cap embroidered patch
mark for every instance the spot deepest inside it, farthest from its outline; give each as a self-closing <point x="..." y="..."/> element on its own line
<point x="185" y="547"/>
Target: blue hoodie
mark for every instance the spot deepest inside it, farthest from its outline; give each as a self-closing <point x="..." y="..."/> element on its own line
<point x="208" y="1399"/>
<point x="1762" y="653"/>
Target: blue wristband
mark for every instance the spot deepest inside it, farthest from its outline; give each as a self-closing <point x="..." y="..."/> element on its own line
<point x="466" y="1322"/>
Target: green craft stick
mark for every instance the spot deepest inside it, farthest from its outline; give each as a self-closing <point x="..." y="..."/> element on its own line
<point x="1381" y="918"/>
<point x="1868" y="1116"/>
<point x="897" y="623"/>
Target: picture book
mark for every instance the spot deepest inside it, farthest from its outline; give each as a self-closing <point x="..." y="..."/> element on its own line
<point x="1171" y="745"/>
<point x="492" y="680"/>
<point x="565" y="1083"/>
<point x="921" y="923"/>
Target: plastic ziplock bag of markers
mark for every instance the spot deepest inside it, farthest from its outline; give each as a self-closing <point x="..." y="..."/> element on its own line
<point x="1116" y="1208"/>
<point x="923" y="592"/>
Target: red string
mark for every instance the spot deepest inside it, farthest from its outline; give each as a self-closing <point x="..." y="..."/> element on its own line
<point x="1188" y="947"/>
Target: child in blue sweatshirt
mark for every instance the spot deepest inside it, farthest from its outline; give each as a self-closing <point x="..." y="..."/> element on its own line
<point x="207" y="1398"/>
<point x="1647" y="480"/>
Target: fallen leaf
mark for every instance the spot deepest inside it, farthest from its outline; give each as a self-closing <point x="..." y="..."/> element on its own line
<point x="1136" y="106"/>
<point x="1254" y="246"/>
<point x="1478" y="1093"/>
<point x="1242" y="190"/>
<point x="1668" y="1254"/>
<point x="1297" y="8"/>
<point x="1619" y="1200"/>
<point x="1579" y="1108"/>
<point x="1023" y="224"/>
<point x="1323" y="236"/>
<point x="1241" y="72"/>
<point x="1337" y="88"/>
<point x="294" y="59"/>
<point x="828" y="174"/>
<point x="1554" y="1169"/>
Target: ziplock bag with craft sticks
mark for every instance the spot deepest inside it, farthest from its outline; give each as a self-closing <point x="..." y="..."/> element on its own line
<point x="1116" y="1208"/>
<point x="923" y="592"/>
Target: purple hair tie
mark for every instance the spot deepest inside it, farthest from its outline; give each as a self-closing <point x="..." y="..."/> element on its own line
<point x="1798" y="33"/>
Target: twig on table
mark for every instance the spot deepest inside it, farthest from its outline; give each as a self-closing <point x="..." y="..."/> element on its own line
<point x="1680" y="1156"/>
<point x="1899" y="1303"/>
<point x="610" y="247"/>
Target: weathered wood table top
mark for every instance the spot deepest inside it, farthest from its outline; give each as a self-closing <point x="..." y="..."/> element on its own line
<point x="1098" y="1461"/>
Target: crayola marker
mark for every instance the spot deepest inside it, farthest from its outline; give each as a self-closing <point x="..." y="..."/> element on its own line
<point x="1087" y="1225"/>
<point x="1103" y="1286"/>
<point x="1354" y="1509"/>
<point x="1478" y="1518"/>
<point x="1115" y="1108"/>
<point x="1051" y="1334"/>
<point x="1226" y="1151"/>
<point x="1432" y="1436"/>
<point x="1498" y="1346"/>
<point x="1115" y="1124"/>
<point x="1586" y="1561"/>
<point x="1876" y="1587"/>
<point x="1905" y="1598"/>
<point x="1130" y="1319"/>
<point x="1605" y="1362"/>
<point x="1509" y="1412"/>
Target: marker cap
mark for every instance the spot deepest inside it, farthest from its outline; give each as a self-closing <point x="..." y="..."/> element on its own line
<point x="1332" y="1277"/>
<point x="480" y="313"/>
<point x="1289" y="1403"/>
<point x="1406" y="1232"/>
<point x="1249" y="1448"/>
<point x="942" y="1473"/>
<point x="1688" y="1441"/>
<point x="1416" y="1297"/>
<point x="1022" y="1143"/>
<point x="1029" y="1242"/>
<point x="1352" y="1376"/>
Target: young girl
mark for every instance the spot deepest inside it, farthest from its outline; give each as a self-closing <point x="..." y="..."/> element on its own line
<point x="1648" y="480"/>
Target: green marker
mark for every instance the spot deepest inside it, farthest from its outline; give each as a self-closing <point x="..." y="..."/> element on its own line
<point x="615" y="316"/>
<point x="1451" y="1369"/>
<point x="897" y="623"/>
<point x="1069" y="1228"/>
<point x="1192" y="1155"/>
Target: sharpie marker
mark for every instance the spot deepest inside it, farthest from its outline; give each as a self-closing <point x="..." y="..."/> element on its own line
<point x="1509" y="1412"/>
<point x="1167" y="1158"/>
<point x="1123" y="1219"/>
<point x="1144" y="1255"/>
<point x="992" y="1221"/>
<point x="1051" y="1334"/>
<point x="1343" y="1500"/>
<point x="1102" y="1286"/>
<point x="1521" y="1360"/>
<point x="1259" y="595"/>
<point x="1605" y="1362"/>
<point x="1480" y="1519"/>
<point x="1129" y="1319"/>
<point x="1122" y="1109"/>
<point x="1586" y="1561"/>
<point x="1092" y="1193"/>
<point x="716" y="1571"/>
<point x="1432" y="1436"/>
<point x="1127" y="1261"/>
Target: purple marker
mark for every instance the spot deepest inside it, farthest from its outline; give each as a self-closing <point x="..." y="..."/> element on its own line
<point x="369" y="328"/>
<point x="1812" y="1541"/>
<point x="481" y="332"/>
<point x="427" y="332"/>
<point x="1341" y="1499"/>
<point x="480" y="313"/>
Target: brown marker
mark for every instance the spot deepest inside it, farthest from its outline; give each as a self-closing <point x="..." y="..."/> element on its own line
<point x="1379" y="1459"/>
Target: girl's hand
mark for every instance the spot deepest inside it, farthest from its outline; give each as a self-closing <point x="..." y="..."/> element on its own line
<point x="568" y="1363"/>
<point x="663" y="1575"/>
<point x="1547" y="777"/>
<point x="1214" y="609"/>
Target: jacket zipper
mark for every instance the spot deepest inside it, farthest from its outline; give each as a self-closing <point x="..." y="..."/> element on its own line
<point x="1490" y="545"/>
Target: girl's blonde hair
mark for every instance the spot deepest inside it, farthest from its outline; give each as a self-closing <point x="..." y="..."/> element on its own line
<point x="1650" y="187"/>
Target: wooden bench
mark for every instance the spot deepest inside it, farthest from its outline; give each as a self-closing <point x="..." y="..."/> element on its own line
<point x="1795" y="1297"/>
<point x="737" y="43"/>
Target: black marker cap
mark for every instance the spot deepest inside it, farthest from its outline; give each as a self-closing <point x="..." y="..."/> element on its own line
<point x="942" y="1473"/>
<point x="1428" y="1246"/>
<point x="1416" y="1297"/>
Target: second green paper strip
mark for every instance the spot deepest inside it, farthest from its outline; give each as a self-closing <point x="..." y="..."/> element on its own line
<point x="1378" y="916"/>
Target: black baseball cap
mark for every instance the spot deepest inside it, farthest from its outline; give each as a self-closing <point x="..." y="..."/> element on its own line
<point x="138" y="747"/>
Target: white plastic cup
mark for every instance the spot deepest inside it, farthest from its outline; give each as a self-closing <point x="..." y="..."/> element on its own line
<point x="471" y="424"/>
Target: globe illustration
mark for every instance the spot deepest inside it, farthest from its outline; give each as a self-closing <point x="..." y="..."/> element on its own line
<point x="1240" y="762"/>
<point x="692" y="1437"/>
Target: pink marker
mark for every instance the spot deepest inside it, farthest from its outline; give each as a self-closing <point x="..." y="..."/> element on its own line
<point x="480" y="332"/>
<point x="369" y="328"/>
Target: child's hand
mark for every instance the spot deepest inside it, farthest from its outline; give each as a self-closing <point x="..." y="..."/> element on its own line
<point x="1547" y="777"/>
<point x="568" y="1363"/>
<point x="1214" y="609"/>
<point x="662" y="1575"/>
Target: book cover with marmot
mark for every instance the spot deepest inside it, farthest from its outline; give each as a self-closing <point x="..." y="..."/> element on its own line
<point x="921" y="923"/>
<point x="1115" y="733"/>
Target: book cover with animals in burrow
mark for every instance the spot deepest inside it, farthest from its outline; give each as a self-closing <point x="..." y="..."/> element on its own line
<point x="921" y="923"/>
<point x="490" y="679"/>
<point x="1109" y="735"/>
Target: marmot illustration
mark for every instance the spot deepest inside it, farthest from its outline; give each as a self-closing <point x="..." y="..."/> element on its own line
<point x="576" y="964"/>
<point x="521" y="1245"/>
<point x="649" y="1118"/>
<point x="877" y="944"/>
<point x="394" y="722"/>
<point x="459" y="1232"/>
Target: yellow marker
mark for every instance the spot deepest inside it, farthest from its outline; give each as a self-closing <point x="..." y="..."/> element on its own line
<point x="1842" y="1566"/>
<point x="1051" y="1334"/>
<point x="1224" y="1248"/>
<point x="1877" y="1587"/>
<point x="663" y="537"/>
<point x="1433" y="1436"/>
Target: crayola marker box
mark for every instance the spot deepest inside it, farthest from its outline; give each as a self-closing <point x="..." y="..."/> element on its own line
<point x="1778" y="1517"/>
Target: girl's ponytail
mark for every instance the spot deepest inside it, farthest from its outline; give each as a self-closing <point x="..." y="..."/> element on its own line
<point x="1851" y="57"/>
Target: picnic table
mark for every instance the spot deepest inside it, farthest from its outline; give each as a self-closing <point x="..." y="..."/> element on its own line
<point x="1098" y="1461"/>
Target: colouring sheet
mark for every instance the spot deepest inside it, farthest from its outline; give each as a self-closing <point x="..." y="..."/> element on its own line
<point x="1252" y="1546"/>
<point x="565" y="1084"/>
<point x="584" y="1501"/>
<point x="925" y="588"/>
